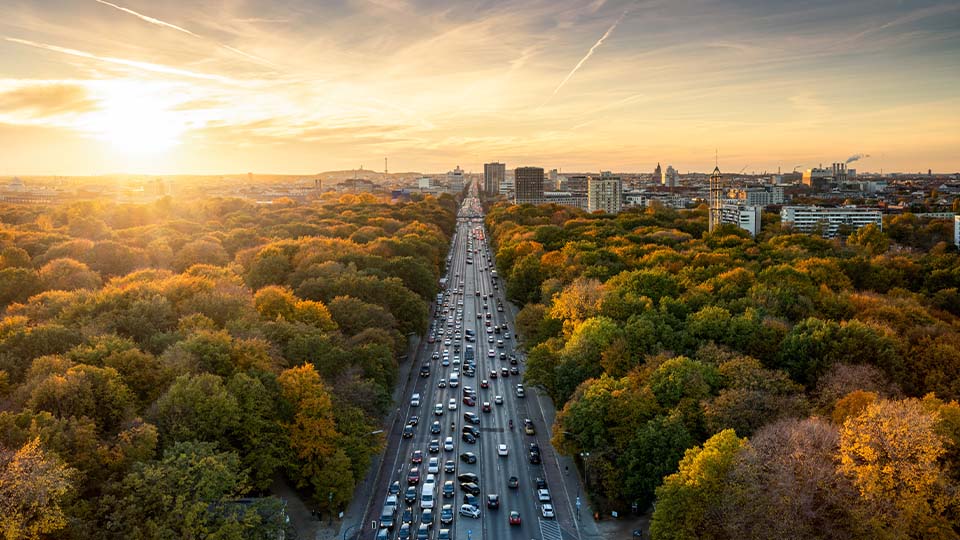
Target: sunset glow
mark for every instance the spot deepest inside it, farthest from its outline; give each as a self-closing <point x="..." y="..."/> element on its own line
<point x="300" y="87"/>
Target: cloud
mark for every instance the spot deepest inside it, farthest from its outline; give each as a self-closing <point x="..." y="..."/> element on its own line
<point x="147" y="18"/>
<point x="43" y="100"/>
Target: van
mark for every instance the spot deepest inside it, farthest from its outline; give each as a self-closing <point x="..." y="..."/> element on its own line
<point x="388" y="516"/>
<point x="415" y="400"/>
<point x="454" y="380"/>
<point x="427" y="494"/>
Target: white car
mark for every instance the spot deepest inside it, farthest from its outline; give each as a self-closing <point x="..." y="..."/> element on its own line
<point x="498" y="400"/>
<point x="452" y="404"/>
<point x="547" y="511"/>
<point x="438" y="409"/>
<point x="448" y="444"/>
<point x="433" y="466"/>
<point x="490" y="353"/>
<point x="501" y="449"/>
<point x="470" y="510"/>
<point x="543" y="495"/>
<point x="506" y="335"/>
<point x="442" y="383"/>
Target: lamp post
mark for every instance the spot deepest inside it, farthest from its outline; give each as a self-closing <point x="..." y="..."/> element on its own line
<point x="586" y="476"/>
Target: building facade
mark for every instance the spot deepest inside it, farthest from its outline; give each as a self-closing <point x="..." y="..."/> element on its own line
<point x="566" y="198"/>
<point x="493" y="176"/>
<point x="605" y="193"/>
<point x="745" y="217"/>
<point x="829" y="221"/>
<point x="670" y="177"/>
<point x="578" y="183"/>
<point x="758" y="196"/>
<point x="455" y="180"/>
<point x="528" y="185"/>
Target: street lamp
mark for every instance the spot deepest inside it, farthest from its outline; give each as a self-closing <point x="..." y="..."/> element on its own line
<point x="586" y="477"/>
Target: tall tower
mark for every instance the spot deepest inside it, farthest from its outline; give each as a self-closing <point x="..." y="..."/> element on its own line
<point x="716" y="197"/>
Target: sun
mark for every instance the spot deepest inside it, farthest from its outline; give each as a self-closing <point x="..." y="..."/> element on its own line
<point x="137" y="123"/>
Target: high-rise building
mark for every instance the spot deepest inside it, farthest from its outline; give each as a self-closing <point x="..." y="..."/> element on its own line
<point x="670" y="177"/>
<point x="455" y="180"/>
<point x="528" y="185"/>
<point x="758" y="196"/>
<point x="657" y="174"/>
<point x="577" y="184"/>
<point x="605" y="193"/>
<point x="493" y="176"/>
<point x="745" y="217"/>
<point x="716" y="191"/>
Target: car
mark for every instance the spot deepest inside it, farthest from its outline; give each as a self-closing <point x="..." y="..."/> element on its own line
<point x="501" y="449"/>
<point x="423" y="532"/>
<point x="408" y="431"/>
<point x="473" y="430"/>
<point x="445" y="362"/>
<point x="417" y="457"/>
<point x="444" y="534"/>
<point x="415" y="400"/>
<point x="493" y="501"/>
<point x="491" y="353"/>
<point x="498" y="400"/>
<point x="435" y="355"/>
<point x="446" y="514"/>
<point x="490" y="340"/>
<point x="427" y="517"/>
<point x="506" y="335"/>
<point x="438" y="409"/>
<point x="520" y="391"/>
<point x="513" y="482"/>
<point x="540" y="483"/>
<point x="486" y="406"/>
<point x="484" y="383"/>
<point x="547" y="511"/>
<point x="425" y="370"/>
<point x="493" y="374"/>
<point x="468" y="438"/>
<point x="414" y="420"/>
<point x="448" y="444"/>
<point x="514" y="518"/>
<point x="407" y="516"/>
<point x="413" y="477"/>
<point x="470" y="511"/>
<point x="543" y="495"/>
<point x="513" y="359"/>
<point x="435" y="427"/>
<point x="470" y="488"/>
<point x="504" y="372"/>
<point x="468" y="457"/>
<point x="452" y="404"/>
<point x="528" y="427"/>
<point x="514" y="370"/>
<point x="383" y="534"/>
<point x="503" y="356"/>
<point x="449" y="466"/>
<point x="410" y="495"/>
<point x="466" y="477"/>
<point x="434" y="446"/>
<point x="404" y="532"/>
<point x="448" y="489"/>
<point x="394" y="488"/>
<point x="469" y="401"/>
<point x="433" y="466"/>
<point x="471" y="417"/>
<point x="471" y="499"/>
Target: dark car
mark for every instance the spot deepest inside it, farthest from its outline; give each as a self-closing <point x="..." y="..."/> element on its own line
<point x="404" y="533"/>
<point x="471" y="488"/>
<point x="407" y="516"/>
<point x="448" y="489"/>
<point x="493" y="501"/>
<point x="473" y="430"/>
<point x="471" y="417"/>
<point x="504" y="372"/>
<point x="514" y="370"/>
<point x="410" y="495"/>
<point x="469" y="401"/>
<point x="468" y="457"/>
<point x="513" y="359"/>
<point x="469" y="498"/>
<point x="394" y="488"/>
<point x="408" y="431"/>
<point x="513" y="482"/>
<point x="534" y="454"/>
<point x="427" y="517"/>
<point x="449" y="466"/>
<point x="541" y="483"/>
<point x="425" y="370"/>
<point x="468" y="438"/>
<point x="463" y="478"/>
<point x="435" y="428"/>
<point x="413" y="477"/>
<point x="434" y="446"/>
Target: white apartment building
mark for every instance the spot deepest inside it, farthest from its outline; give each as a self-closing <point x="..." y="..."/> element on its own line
<point x="809" y="219"/>
<point x="758" y="196"/>
<point x="605" y="193"/>
<point x="745" y="217"/>
<point x="566" y="198"/>
<point x="455" y="180"/>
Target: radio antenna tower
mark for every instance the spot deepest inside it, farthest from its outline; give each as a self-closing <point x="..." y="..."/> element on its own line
<point x="385" y="170"/>
<point x="716" y="195"/>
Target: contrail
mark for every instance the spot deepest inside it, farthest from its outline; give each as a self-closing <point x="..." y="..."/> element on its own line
<point x="158" y="22"/>
<point x="147" y="18"/>
<point x="589" y="54"/>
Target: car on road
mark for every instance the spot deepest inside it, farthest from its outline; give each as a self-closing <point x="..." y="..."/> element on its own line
<point x="452" y="404"/>
<point x="434" y="446"/>
<point x="427" y="517"/>
<point x="408" y="431"/>
<point x="486" y="406"/>
<point x="446" y="514"/>
<point x="449" y="466"/>
<point x="493" y="501"/>
<point x="471" y="417"/>
<point x="466" y="477"/>
<point x="547" y="511"/>
<point x="414" y="420"/>
<point x="404" y="532"/>
<point x="498" y="400"/>
<point x="493" y="374"/>
<point x="407" y="516"/>
<point x="417" y="457"/>
<point x="438" y="409"/>
<point x="413" y="477"/>
<point x="468" y="457"/>
<point x="520" y="391"/>
<point x="410" y="495"/>
<point x="528" y="427"/>
<point x="491" y="353"/>
<point x="468" y="438"/>
<point x="469" y="498"/>
<point x="534" y="453"/>
<point x="444" y="534"/>
<point x="470" y="511"/>
<point x="513" y="482"/>
<point x="504" y="372"/>
<point x="415" y="400"/>
<point x="433" y="466"/>
<point x="484" y="383"/>
<point x="469" y="401"/>
<point x="540" y="483"/>
<point x="423" y="532"/>
<point x="543" y="495"/>
<point x="473" y="430"/>
<point x="394" y="488"/>
<point x="448" y="489"/>
<point x="514" y="370"/>
<point x="470" y="488"/>
<point x="501" y="449"/>
<point x="448" y="444"/>
<point x="435" y="427"/>
<point x="514" y="518"/>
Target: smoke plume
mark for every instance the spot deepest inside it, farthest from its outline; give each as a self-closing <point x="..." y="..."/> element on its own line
<point x="856" y="157"/>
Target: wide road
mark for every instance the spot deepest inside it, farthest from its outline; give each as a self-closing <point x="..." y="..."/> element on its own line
<point x="474" y="301"/>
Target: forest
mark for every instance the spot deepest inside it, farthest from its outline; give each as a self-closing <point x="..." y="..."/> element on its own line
<point x="787" y="386"/>
<point x="163" y="364"/>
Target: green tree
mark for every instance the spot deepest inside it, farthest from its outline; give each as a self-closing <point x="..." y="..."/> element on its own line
<point x="34" y="488"/>
<point x="196" y="407"/>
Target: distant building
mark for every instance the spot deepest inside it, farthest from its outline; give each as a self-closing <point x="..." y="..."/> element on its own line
<point x="455" y="180"/>
<point x="577" y="183"/>
<point x="819" y="178"/>
<point x="829" y="221"/>
<point x="743" y="216"/>
<point x="552" y="177"/>
<point x="758" y="196"/>
<point x="566" y="198"/>
<point x="634" y="198"/>
<point x="493" y="176"/>
<point x="670" y="177"/>
<point x="528" y="185"/>
<point x="357" y="185"/>
<point x="657" y="174"/>
<point x="605" y="193"/>
<point x="424" y="182"/>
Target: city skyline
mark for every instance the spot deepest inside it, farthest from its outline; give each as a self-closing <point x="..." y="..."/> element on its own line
<point x="93" y="87"/>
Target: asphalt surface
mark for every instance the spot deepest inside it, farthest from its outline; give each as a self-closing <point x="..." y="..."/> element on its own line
<point x="492" y="469"/>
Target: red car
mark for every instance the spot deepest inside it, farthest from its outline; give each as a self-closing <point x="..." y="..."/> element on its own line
<point x="417" y="457"/>
<point x="469" y="401"/>
<point x="413" y="477"/>
<point x="514" y="517"/>
<point x="486" y="406"/>
<point x="484" y="384"/>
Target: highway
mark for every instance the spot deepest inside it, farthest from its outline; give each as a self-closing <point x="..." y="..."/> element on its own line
<point x="471" y="287"/>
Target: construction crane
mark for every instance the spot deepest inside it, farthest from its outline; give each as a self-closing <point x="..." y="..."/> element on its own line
<point x="744" y="168"/>
<point x="796" y="167"/>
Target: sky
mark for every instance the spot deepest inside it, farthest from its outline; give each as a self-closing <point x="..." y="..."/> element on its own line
<point x="303" y="86"/>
